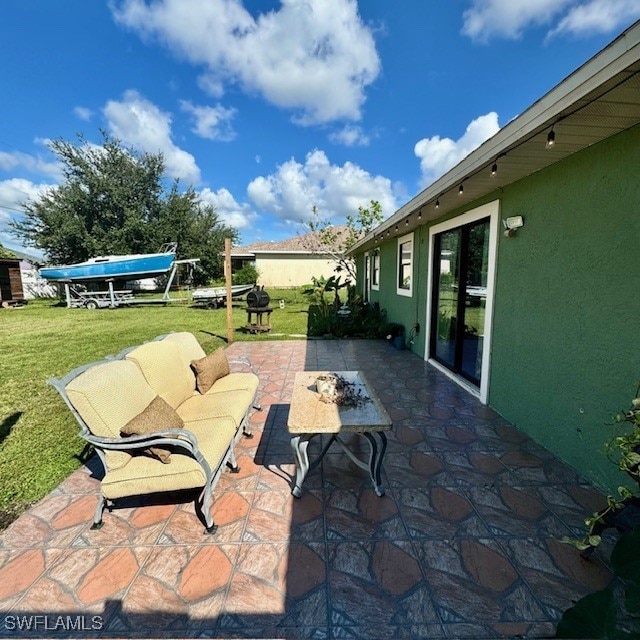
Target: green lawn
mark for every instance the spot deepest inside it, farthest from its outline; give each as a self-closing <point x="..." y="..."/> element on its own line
<point x="39" y="445"/>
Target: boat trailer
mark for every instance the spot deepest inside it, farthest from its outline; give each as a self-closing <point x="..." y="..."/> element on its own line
<point x="77" y="295"/>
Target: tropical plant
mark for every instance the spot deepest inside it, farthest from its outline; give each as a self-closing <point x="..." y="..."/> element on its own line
<point x="349" y="318"/>
<point x="322" y="310"/>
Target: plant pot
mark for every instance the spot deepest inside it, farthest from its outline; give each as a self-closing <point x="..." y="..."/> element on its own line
<point x="398" y="342"/>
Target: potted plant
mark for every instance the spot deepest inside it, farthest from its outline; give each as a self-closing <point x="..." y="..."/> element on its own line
<point x="395" y="335"/>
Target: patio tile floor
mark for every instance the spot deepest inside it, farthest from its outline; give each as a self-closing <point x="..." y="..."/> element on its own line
<point x="465" y="543"/>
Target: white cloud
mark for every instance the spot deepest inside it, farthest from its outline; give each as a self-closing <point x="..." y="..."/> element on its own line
<point x="141" y="125"/>
<point x="292" y="191"/>
<point x="598" y="16"/>
<point x="16" y="191"/>
<point x="437" y="155"/>
<point x="313" y="56"/>
<point x="213" y="123"/>
<point x="83" y="113"/>
<point x="13" y="194"/>
<point x="350" y="136"/>
<point x="509" y="18"/>
<point x="33" y="164"/>
<point x="231" y="212"/>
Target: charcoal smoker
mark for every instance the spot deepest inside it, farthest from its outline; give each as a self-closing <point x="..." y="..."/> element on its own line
<point x="258" y="304"/>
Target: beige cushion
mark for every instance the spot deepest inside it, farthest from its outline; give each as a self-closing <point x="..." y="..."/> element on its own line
<point x="107" y="397"/>
<point x="157" y="416"/>
<point x="230" y="404"/>
<point x="188" y="345"/>
<point x="143" y="475"/>
<point x="164" y="370"/>
<point x="239" y="381"/>
<point x="209" y="369"/>
<point x="190" y="350"/>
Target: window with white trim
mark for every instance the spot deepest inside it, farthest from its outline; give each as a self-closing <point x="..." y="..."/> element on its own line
<point x="404" y="279"/>
<point x="375" y="270"/>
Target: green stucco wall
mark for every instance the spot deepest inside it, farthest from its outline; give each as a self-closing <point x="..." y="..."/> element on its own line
<point x="566" y="338"/>
<point x="566" y="325"/>
<point x="407" y="311"/>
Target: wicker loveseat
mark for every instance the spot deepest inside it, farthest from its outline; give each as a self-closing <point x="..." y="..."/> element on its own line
<point x="197" y="427"/>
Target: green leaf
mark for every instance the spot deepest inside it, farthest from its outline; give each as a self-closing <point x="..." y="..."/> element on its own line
<point x="624" y="492"/>
<point x="593" y="616"/>
<point x="625" y="557"/>
<point x="633" y="458"/>
<point x="581" y="545"/>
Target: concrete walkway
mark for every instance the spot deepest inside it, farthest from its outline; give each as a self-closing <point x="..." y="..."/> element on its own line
<point x="465" y="543"/>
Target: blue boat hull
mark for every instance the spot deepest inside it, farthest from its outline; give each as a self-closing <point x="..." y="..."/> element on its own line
<point x="121" y="267"/>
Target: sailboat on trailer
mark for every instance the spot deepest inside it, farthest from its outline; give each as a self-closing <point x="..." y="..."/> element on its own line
<point x="128" y="267"/>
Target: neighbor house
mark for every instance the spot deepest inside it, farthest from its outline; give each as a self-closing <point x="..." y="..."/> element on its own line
<point x="286" y="263"/>
<point x="517" y="273"/>
<point x="34" y="286"/>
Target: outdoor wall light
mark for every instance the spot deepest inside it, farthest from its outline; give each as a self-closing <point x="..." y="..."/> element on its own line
<point x="420" y="214"/>
<point x="406" y="222"/>
<point x="551" y="139"/>
<point x="460" y="189"/>
<point x="511" y="225"/>
<point x="438" y="203"/>
<point x="494" y="169"/>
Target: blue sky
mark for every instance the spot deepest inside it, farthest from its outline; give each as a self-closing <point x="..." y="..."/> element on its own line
<point x="268" y="107"/>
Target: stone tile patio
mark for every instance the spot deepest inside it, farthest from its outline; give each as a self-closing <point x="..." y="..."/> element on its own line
<point x="465" y="543"/>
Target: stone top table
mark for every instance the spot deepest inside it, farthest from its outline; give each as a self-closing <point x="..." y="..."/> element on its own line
<point x="310" y="416"/>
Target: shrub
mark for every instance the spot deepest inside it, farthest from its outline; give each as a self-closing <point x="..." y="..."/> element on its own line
<point x="247" y="275"/>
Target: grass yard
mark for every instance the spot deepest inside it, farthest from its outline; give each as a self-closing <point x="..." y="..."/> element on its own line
<point x="39" y="445"/>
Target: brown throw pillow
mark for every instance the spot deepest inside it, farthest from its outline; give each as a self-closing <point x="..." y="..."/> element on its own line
<point x="209" y="369"/>
<point x="158" y="416"/>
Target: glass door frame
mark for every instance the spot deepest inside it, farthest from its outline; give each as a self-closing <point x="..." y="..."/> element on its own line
<point x="490" y="210"/>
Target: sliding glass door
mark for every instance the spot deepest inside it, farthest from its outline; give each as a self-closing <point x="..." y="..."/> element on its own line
<point x="460" y="275"/>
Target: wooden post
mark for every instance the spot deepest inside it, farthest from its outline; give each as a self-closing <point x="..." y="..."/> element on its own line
<point x="227" y="274"/>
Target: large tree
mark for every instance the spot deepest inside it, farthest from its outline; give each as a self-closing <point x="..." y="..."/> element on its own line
<point x="113" y="200"/>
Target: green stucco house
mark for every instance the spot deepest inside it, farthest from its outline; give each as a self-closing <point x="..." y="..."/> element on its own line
<point x="517" y="273"/>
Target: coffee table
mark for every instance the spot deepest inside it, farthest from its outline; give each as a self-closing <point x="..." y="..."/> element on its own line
<point x="310" y="417"/>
